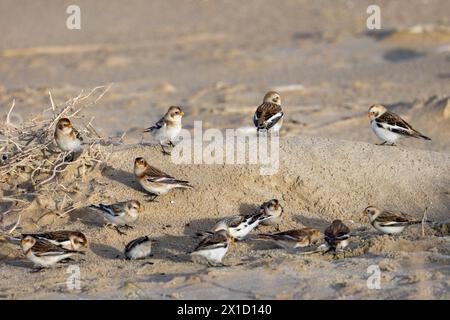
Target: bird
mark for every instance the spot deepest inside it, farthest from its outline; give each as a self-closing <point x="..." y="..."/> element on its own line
<point x="238" y="226"/>
<point x="213" y="247"/>
<point x="269" y="114"/>
<point x="273" y="210"/>
<point x="389" y="222"/>
<point x="293" y="239"/>
<point x="120" y="214"/>
<point x="67" y="137"/>
<point x="70" y="240"/>
<point x="154" y="181"/>
<point x="44" y="253"/>
<point x="337" y="235"/>
<point x="139" y="248"/>
<point x="167" y="129"/>
<point x="389" y="127"/>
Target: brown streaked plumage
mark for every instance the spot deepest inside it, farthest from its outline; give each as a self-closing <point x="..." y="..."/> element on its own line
<point x="155" y="181"/>
<point x="337" y="235"/>
<point x="293" y="239"/>
<point x="71" y="240"/>
<point x="269" y="113"/>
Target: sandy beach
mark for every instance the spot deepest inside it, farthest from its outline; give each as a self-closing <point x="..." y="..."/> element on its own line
<point x="217" y="59"/>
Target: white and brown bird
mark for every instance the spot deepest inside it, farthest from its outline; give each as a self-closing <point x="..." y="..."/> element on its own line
<point x="272" y="211"/>
<point x="269" y="115"/>
<point x="293" y="239"/>
<point x="139" y="248"/>
<point x="120" y="214"/>
<point x="213" y="247"/>
<point x="70" y="240"/>
<point x="238" y="226"/>
<point x="337" y="235"/>
<point x="389" y="222"/>
<point x="167" y="129"/>
<point x="154" y="181"/>
<point x="67" y="137"/>
<point x="389" y="127"/>
<point x="44" y="253"/>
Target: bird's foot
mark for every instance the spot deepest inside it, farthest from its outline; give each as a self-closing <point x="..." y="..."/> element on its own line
<point x="119" y="231"/>
<point x="381" y="144"/>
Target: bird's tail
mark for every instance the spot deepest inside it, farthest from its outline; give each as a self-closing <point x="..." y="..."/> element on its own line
<point x="418" y="135"/>
<point x="184" y="184"/>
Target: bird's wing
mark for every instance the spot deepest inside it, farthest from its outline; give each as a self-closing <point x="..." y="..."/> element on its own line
<point x="267" y="115"/>
<point x="45" y="248"/>
<point x="161" y="123"/>
<point x="77" y="134"/>
<point x="394" y="123"/>
<point x="213" y="241"/>
<point x="387" y="218"/>
<point x="135" y="242"/>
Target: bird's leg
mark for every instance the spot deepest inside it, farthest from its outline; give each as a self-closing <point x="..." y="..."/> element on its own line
<point x="119" y="231"/>
<point x="171" y="144"/>
<point x="392" y="144"/>
<point x="128" y="227"/>
<point x="381" y="144"/>
<point x="153" y="199"/>
<point x="164" y="150"/>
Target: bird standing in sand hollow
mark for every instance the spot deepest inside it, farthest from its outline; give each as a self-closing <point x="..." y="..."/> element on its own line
<point x="67" y="137"/>
<point x="337" y="235"/>
<point x="167" y="129"/>
<point x="213" y="247"/>
<point x="154" y="180"/>
<point x="389" y="127"/>
<point x="269" y="115"/>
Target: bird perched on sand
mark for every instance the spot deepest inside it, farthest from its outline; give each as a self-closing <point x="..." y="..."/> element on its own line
<point x="389" y="222"/>
<point x="70" y="240"/>
<point x="389" y="127"/>
<point x="273" y="210"/>
<point x="154" y="181"/>
<point x="269" y="114"/>
<point x="44" y="253"/>
<point x="237" y="226"/>
<point x="293" y="239"/>
<point x="213" y="247"/>
<point x="337" y="235"/>
<point x="120" y="214"/>
<point x="139" y="248"/>
<point x="167" y="129"/>
<point x="67" y="137"/>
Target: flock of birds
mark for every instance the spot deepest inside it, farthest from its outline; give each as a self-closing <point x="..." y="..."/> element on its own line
<point x="49" y="248"/>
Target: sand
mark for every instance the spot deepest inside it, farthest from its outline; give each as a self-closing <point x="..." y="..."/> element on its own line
<point x="217" y="65"/>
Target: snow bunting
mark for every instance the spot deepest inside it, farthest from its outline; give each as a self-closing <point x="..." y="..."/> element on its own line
<point x="337" y="235"/>
<point x="167" y="129"/>
<point x="269" y="114"/>
<point x="293" y="239"/>
<point x="44" y="253"/>
<point x="238" y="226"/>
<point x="120" y="214"/>
<point x="389" y="127"/>
<point x="154" y="180"/>
<point x="389" y="222"/>
<point x="213" y="247"/>
<point x="70" y="240"/>
<point x="67" y="137"/>
<point x="273" y="210"/>
<point x="139" y="248"/>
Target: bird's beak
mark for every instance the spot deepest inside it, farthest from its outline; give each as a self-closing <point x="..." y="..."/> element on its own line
<point x="182" y="113"/>
<point x="232" y="241"/>
<point x="368" y="114"/>
<point x="23" y="242"/>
